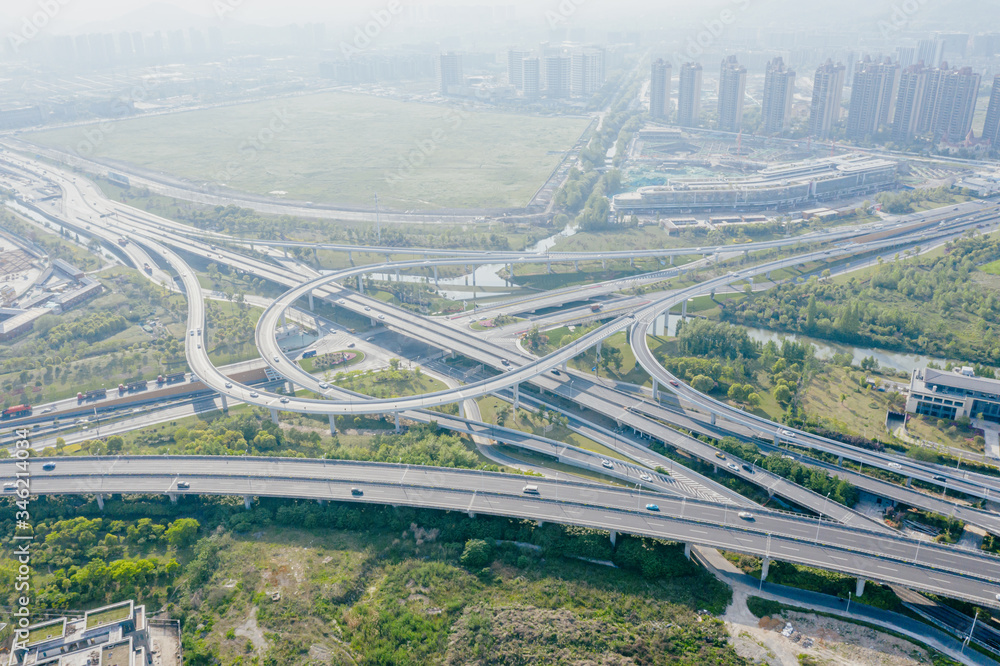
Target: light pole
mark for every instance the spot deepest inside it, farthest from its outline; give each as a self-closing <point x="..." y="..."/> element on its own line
<point x="848" y="601"/>
<point x="971" y="629"/>
<point x="819" y="518"/>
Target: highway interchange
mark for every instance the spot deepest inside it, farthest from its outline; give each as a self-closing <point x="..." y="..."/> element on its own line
<point x="843" y="541"/>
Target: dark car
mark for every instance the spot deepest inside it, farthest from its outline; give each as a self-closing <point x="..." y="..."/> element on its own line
<point x="748" y="468"/>
<point x="357" y="492"/>
<point x="48" y="467"/>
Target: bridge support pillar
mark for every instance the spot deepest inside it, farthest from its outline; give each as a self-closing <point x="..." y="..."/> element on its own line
<point x="713" y="419"/>
<point x="472" y="514"/>
<point x="350" y="257"/>
<point x="765" y="565"/>
<point x="274" y="415"/>
<point x="315" y="255"/>
<point x="840" y="460"/>
<point x="548" y="267"/>
<point x="656" y="390"/>
<point x="333" y="425"/>
<point x="576" y="266"/>
<point x="398" y="428"/>
<point x="613" y="535"/>
<point x="631" y="262"/>
<point x="671" y="260"/>
<point x="284" y="320"/>
<point x="859" y="589"/>
<point x="684" y="309"/>
<point x="909" y="482"/>
<point x="768" y="275"/>
<point x="225" y="404"/>
<point x="312" y="305"/>
<point x="397" y="275"/>
<point x="541" y="524"/>
<point x="173" y="497"/>
<point x="361" y="285"/>
<point x="387" y="258"/>
<point x="565" y="366"/>
<point x="291" y="387"/>
<point x="517" y="398"/>
<point x="770" y="493"/>
<point x="604" y="264"/>
<point x="435" y="276"/>
<point x="687" y="550"/>
<point x="510" y="280"/>
<point x="247" y="501"/>
<point x="100" y="502"/>
<point x="599" y="347"/>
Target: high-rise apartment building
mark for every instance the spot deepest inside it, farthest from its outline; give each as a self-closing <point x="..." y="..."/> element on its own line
<point x="991" y="130"/>
<point x="949" y="104"/>
<point x="776" y="105"/>
<point x="909" y="104"/>
<point x="873" y="81"/>
<point x="659" y="90"/>
<point x="587" y="71"/>
<point x="828" y="90"/>
<point x="930" y="52"/>
<point x="449" y="72"/>
<point x="906" y="56"/>
<point x="514" y="68"/>
<point x="556" y="73"/>
<point x="531" y="78"/>
<point x="732" y="86"/>
<point x="689" y="94"/>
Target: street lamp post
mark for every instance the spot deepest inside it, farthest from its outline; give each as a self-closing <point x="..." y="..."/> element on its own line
<point x="849" y="601"/>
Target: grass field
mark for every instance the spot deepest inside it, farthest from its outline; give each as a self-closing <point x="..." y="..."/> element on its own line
<point x="343" y="148"/>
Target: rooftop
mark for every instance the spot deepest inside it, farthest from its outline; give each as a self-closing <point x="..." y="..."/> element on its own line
<point x="960" y="381"/>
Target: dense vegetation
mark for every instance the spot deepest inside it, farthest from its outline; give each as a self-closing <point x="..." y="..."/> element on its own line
<point x="375" y="585"/>
<point x="935" y="307"/>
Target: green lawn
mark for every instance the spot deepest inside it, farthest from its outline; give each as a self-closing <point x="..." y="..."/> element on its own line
<point x="343" y="148"/>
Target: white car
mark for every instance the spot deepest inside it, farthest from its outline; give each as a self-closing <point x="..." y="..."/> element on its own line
<point x="733" y="466"/>
<point x="47" y="410"/>
<point x="324" y="385"/>
<point x="277" y="360"/>
<point x="746" y="515"/>
<point x="342" y="301"/>
<point x="367" y="309"/>
<point x="607" y="463"/>
<point x="381" y="316"/>
<point x="229" y="385"/>
<point x="895" y="466"/>
<point x="254" y="394"/>
<point x="787" y="433"/>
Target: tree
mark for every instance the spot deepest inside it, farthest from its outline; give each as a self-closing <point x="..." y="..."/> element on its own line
<point x="702" y="384"/>
<point x="182" y="532"/>
<point x="477" y="554"/>
<point x="782" y="394"/>
<point x="115" y="444"/>
<point x="753" y="400"/>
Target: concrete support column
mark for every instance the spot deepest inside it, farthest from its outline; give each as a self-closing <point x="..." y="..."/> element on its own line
<point x="510" y="280"/>
<point x="604" y="264"/>
<point x="765" y="565"/>
<point x="290" y="388"/>
<point x="315" y="254"/>
<point x="517" y="396"/>
<point x="398" y="428"/>
<point x="548" y="267"/>
<point x="671" y="260"/>
<point x="247" y="501"/>
<point x="541" y="523"/>
<point x="565" y="366"/>
<point x="859" y="589"/>
<point x="312" y="305"/>
<point x="687" y="550"/>
<point x="909" y="482"/>
<point x="284" y="319"/>
<point x="274" y="415"/>
<point x="397" y="275"/>
<point x="768" y="275"/>
<point x="599" y="347"/>
<point x="173" y="497"/>
<point x="225" y="405"/>
<point x="840" y="460"/>
<point x="435" y="276"/>
<point x="350" y="257"/>
<point x="713" y="419"/>
<point x="100" y="502"/>
<point x="472" y="514"/>
<point x="576" y="266"/>
<point x="613" y="535"/>
<point x="631" y="262"/>
<point x="684" y="308"/>
<point x="387" y="259"/>
<point x="333" y="424"/>
<point x="656" y="389"/>
<point x="361" y="285"/>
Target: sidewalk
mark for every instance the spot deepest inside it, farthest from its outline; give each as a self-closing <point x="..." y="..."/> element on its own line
<point x="931" y="636"/>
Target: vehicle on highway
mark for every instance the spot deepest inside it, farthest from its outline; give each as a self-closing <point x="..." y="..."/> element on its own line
<point x="324" y="385"/>
<point x="367" y="309"/>
<point x="370" y="338"/>
<point x="48" y="467"/>
<point x="229" y="385"/>
<point x="787" y="433"/>
<point x="530" y="490"/>
<point x="350" y="345"/>
<point x="183" y="484"/>
<point x="254" y="394"/>
<point x="381" y="316"/>
<point x="9" y="487"/>
<point x="199" y="331"/>
<point x="748" y="468"/>
<point x="47" y="410"/>
<point x="673" y="382"/>
<point x="645" y="477"/>
<point x="277" y="360"/>
<point x="504" y="361"/>
<point x="342" y="301"/>
<point x="556" y="372"/>
<point x="284" y="401"/>
<point x="720" y="455"/>
<point x="357" y="492"/>
<point x="893" y="465"/>
<point x="192" y="332"/>
<point x="652" y="507"/>
<point x="733" y="467"/>
<point x="939" y="478"/>
<point x="746" y="515"/>
<point x="199" y="345"/>
<point x="607" y="463"/>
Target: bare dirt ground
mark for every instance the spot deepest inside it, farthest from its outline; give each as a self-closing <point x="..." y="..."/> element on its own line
<point x="165" y="641"/>
<point x="825" y="640"/>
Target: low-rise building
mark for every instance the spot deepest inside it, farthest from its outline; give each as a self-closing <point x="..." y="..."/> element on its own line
<point x="952" y="394"/>
<point x="115" y="635"/>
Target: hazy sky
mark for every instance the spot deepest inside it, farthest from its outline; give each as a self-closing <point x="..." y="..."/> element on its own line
<point x="73" y="15"/>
